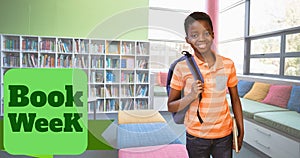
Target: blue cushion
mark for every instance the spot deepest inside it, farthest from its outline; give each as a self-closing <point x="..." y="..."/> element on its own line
<point x="244" y="87"/>
<point x="145" y="134"/>
<point x="294" y="101"/>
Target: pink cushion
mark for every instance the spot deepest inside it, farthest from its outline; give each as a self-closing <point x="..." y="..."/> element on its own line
<point x="278" y="95"/>
<point x="160" y="151"/>
<point x="163" y="79"/>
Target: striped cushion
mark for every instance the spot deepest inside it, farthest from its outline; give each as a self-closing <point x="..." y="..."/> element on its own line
<point x="146" y="134"/>
<point x="139" y="116"/>
<point x="161" y="151"/>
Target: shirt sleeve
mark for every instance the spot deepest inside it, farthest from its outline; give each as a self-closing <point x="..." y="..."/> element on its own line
<point x="177" y="81"/>
<point x="232" y="78"/>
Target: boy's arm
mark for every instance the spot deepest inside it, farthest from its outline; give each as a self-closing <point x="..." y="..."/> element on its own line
<point x="238" y="114"/>
<point x="176" y="103"/>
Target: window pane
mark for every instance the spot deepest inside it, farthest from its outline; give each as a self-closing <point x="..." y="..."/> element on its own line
<point x="162" y="54"/>
<point x="224" y="4"/>
<point x="266" y="45"/>
<point x="292" y="67"/>
<point x="292" y="43"/>
<point x="264" y="65"/>
<point x="234" y="51"/>
<point x="178" y="4"/>
<point x="228" y="28"/>
<point x="267" y="15"/>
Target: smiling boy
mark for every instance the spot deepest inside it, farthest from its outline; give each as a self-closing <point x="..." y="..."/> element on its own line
<point x="214" y="135"/>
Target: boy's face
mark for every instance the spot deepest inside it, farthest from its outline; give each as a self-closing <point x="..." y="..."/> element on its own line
<point x="200" y="36"/>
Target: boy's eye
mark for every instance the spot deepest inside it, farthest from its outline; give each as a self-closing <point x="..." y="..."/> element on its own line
<point x="194" y="35"/>
<point x="206" y="34"/>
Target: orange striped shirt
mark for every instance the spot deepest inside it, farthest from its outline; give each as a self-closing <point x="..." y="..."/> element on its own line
<point x="214" y="108"/>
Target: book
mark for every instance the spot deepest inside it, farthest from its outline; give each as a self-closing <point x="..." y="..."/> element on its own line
<point x="235" y="135"/>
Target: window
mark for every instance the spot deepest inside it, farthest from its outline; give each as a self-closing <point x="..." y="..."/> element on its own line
<point x="292" y="67"/>
<point x="264" y="66"/>
<point x="265" y="45"/>
<point x="231" y="32"/>
<point x="235" y="51"/>
<point x="166" y="30"/>
<point x="291" y="43"/>
<point x="268" y="16"/>
<point x="232" y="22"/>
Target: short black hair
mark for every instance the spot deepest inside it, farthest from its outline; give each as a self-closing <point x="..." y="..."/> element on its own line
<point x="194" y="17"/>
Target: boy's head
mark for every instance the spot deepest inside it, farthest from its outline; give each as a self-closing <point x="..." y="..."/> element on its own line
<point x="195" y="16"/>
<point x="199" y="32"/>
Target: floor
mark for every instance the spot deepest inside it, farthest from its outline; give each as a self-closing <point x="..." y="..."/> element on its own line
<point x="246" y="152"/>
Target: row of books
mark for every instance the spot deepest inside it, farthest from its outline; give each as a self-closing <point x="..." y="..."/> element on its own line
<point x="29" y="44"/>
<point x="127" y="77"/>
<point x="141" y="91"/>
<point x="11" y="44"/>
<point x="97" y="48"/>
<point x="47" y="46"/>
<point x="142" y="49"/>
<point x="97" y="62"/>
<point x="127" y="91"/>
<point x="129" y="104"/>
<point x="128" y="48"/>
<point x="113" y="91"/>
<point x="101" y="105"/>
<point x="111" y="77"/>
<point x="29" y="60"/>
<point x="11" y="60"/>
<point x="101" y="91"/>
<point x="80" y="61"/>
<point x="142" y="77"/>
<point x="97" y="77"/>
<point x="112" y="63"/>
<point x="127" y="63"/>
<point x="142" y="64"/>
<point x="47" y="60"/>
<point x="97" y="92"/>
<point x="64" y="46"/>
<point x="65" y="61"/>
<point x="104" y="106"/>
<point x="81" y="46"/>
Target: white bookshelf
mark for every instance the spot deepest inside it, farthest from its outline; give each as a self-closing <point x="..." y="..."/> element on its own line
<point x="117" y="70"/>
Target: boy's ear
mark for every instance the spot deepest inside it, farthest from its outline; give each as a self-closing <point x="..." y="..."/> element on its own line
<point x="213" y="35"/>
<point x="187" y="40"/>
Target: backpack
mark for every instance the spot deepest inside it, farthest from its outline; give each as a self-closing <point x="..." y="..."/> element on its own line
<point x="178" y="117"/>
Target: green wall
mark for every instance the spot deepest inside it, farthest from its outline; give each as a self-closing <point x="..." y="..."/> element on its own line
<point x="108" y="19"/>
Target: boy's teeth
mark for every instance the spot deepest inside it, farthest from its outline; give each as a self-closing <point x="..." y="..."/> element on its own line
<point x="202" y="45"/>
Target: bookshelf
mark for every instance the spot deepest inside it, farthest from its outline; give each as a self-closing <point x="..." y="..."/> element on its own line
<point x="117" y="70"/>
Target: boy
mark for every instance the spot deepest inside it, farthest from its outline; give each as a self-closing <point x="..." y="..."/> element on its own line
<point x="214" y="135"/>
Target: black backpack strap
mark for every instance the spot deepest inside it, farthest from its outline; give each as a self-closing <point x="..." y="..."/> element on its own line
<point x="196" y="74"/>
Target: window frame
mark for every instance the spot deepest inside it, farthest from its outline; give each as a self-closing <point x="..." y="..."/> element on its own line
<point x="281" y="55"/>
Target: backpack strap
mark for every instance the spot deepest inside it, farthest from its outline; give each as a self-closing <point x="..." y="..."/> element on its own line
<point x="196" y="74"/>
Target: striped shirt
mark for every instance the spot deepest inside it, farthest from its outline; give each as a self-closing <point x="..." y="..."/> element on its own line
<point x="214" y="108"/>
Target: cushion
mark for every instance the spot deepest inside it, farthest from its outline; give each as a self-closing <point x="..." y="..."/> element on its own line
<point x="258" y="91"/>
<point x="278" y="95"/>
<point x="244" y="87"/>
<point x="139" y="116"/>
<point x="163" y="79"/>
<point x="160" y="91"/>
<point x="251" y="107"/>
<point x="294" y="101"/>
<point x="145" y="134"/>
<point x="160" y="151"/>
<point x="285" y="121"/>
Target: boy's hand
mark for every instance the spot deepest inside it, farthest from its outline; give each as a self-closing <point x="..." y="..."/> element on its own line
<point x="197" y="88"/>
